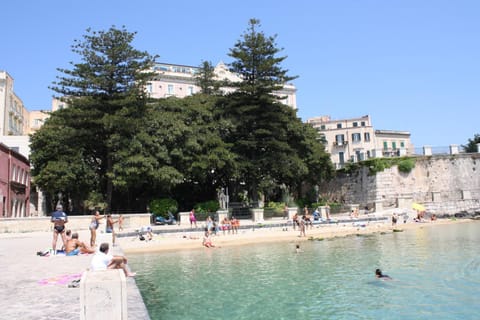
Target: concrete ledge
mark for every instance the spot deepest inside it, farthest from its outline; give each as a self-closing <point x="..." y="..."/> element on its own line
<point x="103" y="295"/>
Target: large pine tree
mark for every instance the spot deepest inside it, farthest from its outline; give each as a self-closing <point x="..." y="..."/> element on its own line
<point x="273" y="146"/>
<point x="107" y="105"/>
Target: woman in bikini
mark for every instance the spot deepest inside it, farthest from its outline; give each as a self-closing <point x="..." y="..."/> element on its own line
<point x="94" y="223"/>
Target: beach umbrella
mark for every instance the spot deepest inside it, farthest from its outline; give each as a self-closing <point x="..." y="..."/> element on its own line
<point x="418" y="207"/>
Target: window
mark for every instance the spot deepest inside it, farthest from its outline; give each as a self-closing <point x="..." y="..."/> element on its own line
<point x="402" y="144"/>
<point x="368" y="154"/>
<point x="170" y="89"/>
<point x="339" y="139"/>
<point x="339" y="126"/>
<point x="363" y="123"/>
<point x="149" y="87"/>
<point x="355" y="124"/>
<point x="322" y="127"/>
<point x="356" y="137"/>
<point x="341" y="157"/>
<point x="394" y="145"/>
<point x="385" y="145"/>
<point x="367" y="136"/>
<point x="190" y="90"/>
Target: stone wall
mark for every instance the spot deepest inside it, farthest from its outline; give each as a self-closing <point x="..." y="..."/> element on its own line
<point x="75" y="223"/>
<point x="447" y="184"/>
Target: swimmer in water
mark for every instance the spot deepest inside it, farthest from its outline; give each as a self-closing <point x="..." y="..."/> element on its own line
<point x="380" y="275"/>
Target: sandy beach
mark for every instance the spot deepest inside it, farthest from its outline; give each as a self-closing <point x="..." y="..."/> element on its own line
<point x="190" y="240"/>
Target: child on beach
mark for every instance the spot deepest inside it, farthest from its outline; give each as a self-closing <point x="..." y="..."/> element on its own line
<point x="207" y="240"/>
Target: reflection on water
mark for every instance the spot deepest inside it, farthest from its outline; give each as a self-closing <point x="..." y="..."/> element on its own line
<point x="436" y="275"/>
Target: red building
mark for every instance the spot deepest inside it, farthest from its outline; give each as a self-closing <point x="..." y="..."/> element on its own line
<point x="14" y="184"/>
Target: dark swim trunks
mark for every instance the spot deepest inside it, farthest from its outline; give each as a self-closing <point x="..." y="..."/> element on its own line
<point x="59" y="229"/>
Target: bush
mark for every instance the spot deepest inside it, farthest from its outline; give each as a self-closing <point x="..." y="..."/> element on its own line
<point x="207" y="207"/>
<point x="406" y="165"/>
<point x="161" y="207"/>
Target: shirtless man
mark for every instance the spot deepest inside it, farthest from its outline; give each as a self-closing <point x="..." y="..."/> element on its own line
<point x="110" y="229"/>
<point x="59" y="218"/>
<point x="75" y="247"/>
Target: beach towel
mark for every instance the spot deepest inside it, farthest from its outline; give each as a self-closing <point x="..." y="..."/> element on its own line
<point x="60" y="280"/>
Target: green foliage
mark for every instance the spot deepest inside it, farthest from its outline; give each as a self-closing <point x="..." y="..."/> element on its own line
<point x="161" y="207"/>
<point x="278" y="207"/>
<point x="205" y="79"/>
<point x="406" y="165"/>
<point x="272" y="145"/>
<point x="472" y="145"/>
<point x="207" y="207"/>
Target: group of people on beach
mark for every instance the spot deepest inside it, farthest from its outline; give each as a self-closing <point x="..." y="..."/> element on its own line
<point x="72" y="246"/>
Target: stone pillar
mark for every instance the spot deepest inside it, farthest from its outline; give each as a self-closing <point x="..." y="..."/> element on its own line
<point x="466" y="195"/>
<point x="291" y="212"/>
<point x="404" y="202"/>
<point x="103" y="295"/>
<point x="324" y="212"/>
<point x="454" y="149"/>
<point x="221" y="214"/>
<point x="436" y="197"/>
<point x="184" y="218"/>
<point x="427" y="150"/>
<point x="257" y="214"/>
<point x="378" y="205"/>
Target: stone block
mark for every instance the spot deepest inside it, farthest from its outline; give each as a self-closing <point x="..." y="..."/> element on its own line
<point x="257" y="214"/>
<point x="184" y="218"/>
<point x="103" y="295"/>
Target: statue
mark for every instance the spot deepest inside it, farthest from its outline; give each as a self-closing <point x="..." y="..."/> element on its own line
<point x="222" y="199"/>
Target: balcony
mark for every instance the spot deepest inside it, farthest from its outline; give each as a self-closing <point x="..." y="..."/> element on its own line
<point x="340" y="143"/>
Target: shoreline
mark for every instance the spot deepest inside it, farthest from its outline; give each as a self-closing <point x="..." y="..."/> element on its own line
<point x="184" y="240"/>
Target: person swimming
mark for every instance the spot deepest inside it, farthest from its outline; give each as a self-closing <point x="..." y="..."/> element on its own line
<point x="380" y="275"/>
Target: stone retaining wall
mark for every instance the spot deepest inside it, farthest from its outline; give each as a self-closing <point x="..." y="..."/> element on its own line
<point x="447" y="184"/>
<point x="41" y="224"/>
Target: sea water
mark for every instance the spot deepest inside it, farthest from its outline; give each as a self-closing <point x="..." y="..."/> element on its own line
<point x="435" y="271"/>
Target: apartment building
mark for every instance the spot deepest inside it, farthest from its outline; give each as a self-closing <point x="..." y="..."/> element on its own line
<point x="13" y="114"/>
<point x="14" y="184"/>
<point x="179" y="81"/>
<point x="353" y="140"/>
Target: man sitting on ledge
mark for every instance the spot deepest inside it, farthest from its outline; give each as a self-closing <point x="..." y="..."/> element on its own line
<point x="103" y="261"/>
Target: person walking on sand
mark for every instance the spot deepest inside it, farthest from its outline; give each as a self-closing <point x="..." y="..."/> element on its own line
<point x="94" y="223"/>
<point x="193" y="219"/>
<point x="302" y="226"/>
<point x="59" y="218"/>
<point x="110" y="228"/>
<point x="120" y="222"/>
<point x="103" y="261"/>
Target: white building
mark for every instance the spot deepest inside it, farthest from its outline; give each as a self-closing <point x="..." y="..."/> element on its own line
<point x="353" y="140"/>
<point x="179" y="81"/>
<point x="13" y="114"/>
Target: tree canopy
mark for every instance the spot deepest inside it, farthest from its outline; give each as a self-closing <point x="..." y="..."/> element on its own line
<point x="115" y="145"/>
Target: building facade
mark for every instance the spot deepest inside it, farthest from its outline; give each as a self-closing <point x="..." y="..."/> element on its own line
<point x="14" y="184"/>
<point x="353" y="140"/>
<point x="13" y="114"/>
<point x="179" y="81"/>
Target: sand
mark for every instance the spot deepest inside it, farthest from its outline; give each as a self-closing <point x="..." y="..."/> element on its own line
<point x="190" y="240"/>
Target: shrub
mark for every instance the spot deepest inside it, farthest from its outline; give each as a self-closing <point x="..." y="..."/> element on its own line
<point x="161" y="207"/>
<point x="406" y="165"/>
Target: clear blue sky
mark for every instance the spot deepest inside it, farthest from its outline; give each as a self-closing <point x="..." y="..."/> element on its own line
<point x="412" y="65"/>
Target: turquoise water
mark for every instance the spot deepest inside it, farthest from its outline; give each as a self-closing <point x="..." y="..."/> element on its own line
<point x="436" y="275"/>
